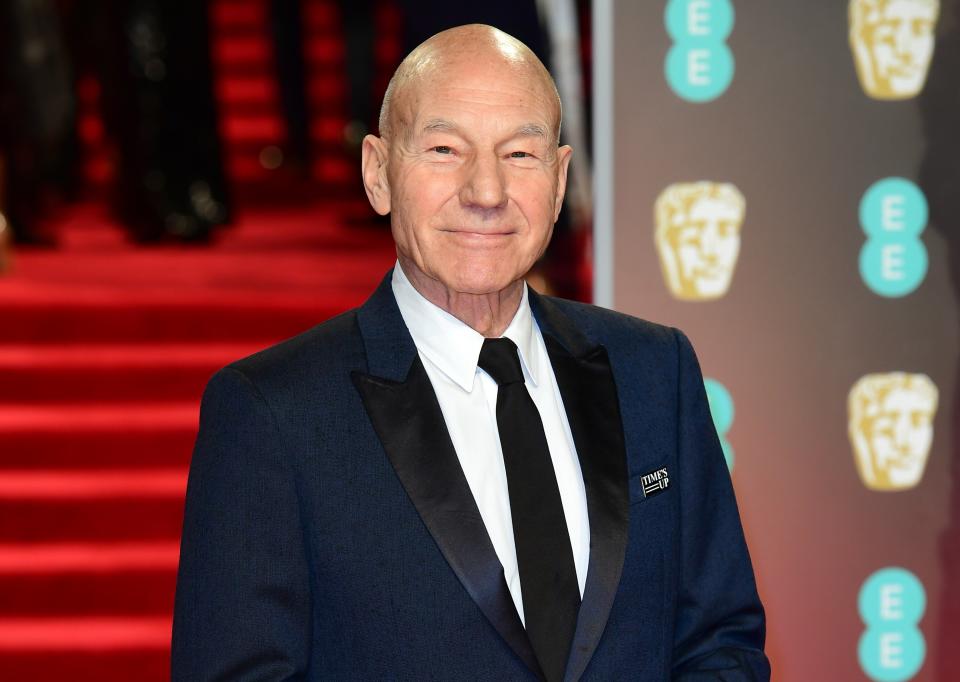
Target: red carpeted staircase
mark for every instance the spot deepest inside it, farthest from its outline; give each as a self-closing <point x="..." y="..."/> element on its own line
<point x="105" y="348"/>
<point x="104" y="351"/>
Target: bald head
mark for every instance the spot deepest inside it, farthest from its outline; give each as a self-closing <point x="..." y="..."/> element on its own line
<point x="474" y="46"/>
<point x="469" y="168"/>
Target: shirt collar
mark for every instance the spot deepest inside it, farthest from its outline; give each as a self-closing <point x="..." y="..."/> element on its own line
<point x="452" y="345"/>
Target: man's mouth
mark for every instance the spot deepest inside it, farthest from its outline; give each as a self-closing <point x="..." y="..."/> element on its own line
<point x="480" y="234"/>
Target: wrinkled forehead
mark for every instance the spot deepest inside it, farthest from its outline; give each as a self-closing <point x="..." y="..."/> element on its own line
<point x="465" y="90"/>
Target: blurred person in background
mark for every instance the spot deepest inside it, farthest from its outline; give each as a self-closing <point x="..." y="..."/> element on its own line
<point x="152" y="62"/>
<point x="155" y="68"/>
<point x="359" y="33"/>
<point x="286" y="24"/>
<point x="37" y="115"/>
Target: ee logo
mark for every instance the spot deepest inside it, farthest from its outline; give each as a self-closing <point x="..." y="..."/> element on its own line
<point x="699" y="66"/>
<point x="893" y="214"/>
<point x="892" y="648"/>
<point x="721" y="409"/>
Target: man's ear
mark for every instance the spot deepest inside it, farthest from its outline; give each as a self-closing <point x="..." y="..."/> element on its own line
<point x="563" y="161"/>
<point x="373" y="166"/>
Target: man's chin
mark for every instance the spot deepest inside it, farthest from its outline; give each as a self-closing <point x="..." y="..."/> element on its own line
<point x="480" y="283"/>
<point x="483" y="288"/>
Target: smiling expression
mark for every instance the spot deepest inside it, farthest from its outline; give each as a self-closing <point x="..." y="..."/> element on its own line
<point x="474" y="175"/>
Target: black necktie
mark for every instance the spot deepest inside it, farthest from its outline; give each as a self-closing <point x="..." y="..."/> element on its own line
<point x="548" y="576"/>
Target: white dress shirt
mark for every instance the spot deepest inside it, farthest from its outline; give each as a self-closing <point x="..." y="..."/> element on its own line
<point x="449" y="350"/>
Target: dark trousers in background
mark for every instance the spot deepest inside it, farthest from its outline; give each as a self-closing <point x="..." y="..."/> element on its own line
<point x="153" y="61"/>
<point x="37" y="112"/>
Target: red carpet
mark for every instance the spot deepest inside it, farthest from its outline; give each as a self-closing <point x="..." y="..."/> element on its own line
<point x="104" y="351"/>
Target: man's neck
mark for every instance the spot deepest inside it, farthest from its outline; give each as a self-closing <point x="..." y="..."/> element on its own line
<point x="488" y="314"/>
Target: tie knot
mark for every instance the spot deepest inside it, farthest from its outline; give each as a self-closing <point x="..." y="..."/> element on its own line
<point x="499" y="359"/>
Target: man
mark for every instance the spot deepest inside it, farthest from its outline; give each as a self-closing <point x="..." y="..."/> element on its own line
<point x="463" y="479"/>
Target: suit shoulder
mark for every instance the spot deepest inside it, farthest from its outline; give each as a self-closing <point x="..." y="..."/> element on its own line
<point x="334" y="344"/>
<point x="610" y="327"/>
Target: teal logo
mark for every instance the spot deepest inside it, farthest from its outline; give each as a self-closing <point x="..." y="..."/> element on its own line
<point x="699" y="66"/>
<point x="893" y="215"/>
<point x="891" y="603"/>
<point x="721" y="409"/>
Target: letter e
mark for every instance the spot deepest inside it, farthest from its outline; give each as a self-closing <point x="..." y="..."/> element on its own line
<point x="891" y="262"/>
<point x="698" y="18"/>
<point x="891" y="602"/>
<point x="698" y="68"/>
<point x="891" y="650"/>
<point x="891" y="212"/>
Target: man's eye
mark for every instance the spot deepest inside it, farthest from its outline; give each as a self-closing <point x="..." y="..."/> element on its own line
<point x="519" y="155"/>
<point x="442" y="149"/>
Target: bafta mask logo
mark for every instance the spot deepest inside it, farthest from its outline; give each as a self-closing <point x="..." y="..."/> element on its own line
<point x="892" y="43"/>
<point x="698" y="238"/>
<point x="891" y="428"/>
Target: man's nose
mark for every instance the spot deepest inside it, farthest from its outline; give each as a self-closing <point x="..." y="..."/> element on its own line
<point x="484" y="185"/>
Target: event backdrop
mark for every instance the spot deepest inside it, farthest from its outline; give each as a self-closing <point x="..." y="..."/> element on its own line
<point x="781" y="180"/>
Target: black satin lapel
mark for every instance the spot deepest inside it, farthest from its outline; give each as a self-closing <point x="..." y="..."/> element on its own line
<point x="593" y="411"/>
<point x="389" y="346"/>
<point x="408" y="420"/>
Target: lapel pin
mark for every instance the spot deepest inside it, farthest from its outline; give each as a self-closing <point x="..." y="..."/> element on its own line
<point x="655" y="482"/>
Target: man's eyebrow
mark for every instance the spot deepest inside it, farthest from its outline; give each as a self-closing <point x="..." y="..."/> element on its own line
<point x="531" y="130"/>
<point x="440" y="125"/>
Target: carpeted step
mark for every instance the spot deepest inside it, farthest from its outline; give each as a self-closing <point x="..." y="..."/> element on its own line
<point x="265" y="128"/>
<point x="324" y="50"/>
<point x="161" y="321"/>
<point x="163" y="445"/>
<point x="320" y="15"/>
<point x="88" y="559"/>
<point x="334" y="171"/>
<point x="228" y="50"/>
<point x="72" y="486"/>
<point x="151" y="664"/>
<point x="228" y="14"/>
<point x="101" y="372"/>
<point x="91" y="505"/>
<point x="88" y="437"/>
<point x="129" y="593"/>
<point x="90" y="520"/>
<point x="93" y="649"/>
<point x="246" y="90"/>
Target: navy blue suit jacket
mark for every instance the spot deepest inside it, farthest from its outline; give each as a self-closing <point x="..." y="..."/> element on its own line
<point x="330" y="534"/>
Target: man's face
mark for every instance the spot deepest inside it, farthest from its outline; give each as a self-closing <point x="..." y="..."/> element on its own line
<point x="475" y="175"/>
<point x="894" y="45"/>
<point x="893" y="430"/>
<point x="699" y="239"/>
